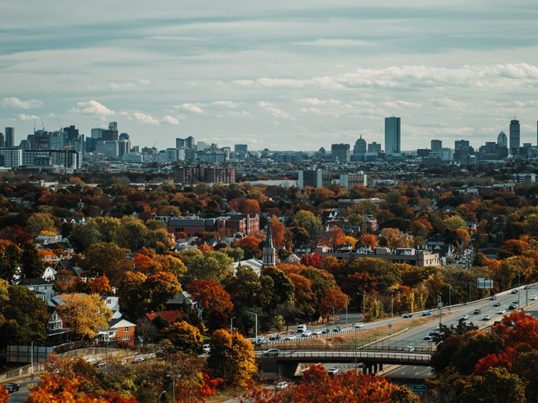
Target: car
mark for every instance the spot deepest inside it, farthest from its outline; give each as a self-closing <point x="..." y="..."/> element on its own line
<point x="533" y="298"/>
<point x="272" y="352"/>
<point x="409" y="348"/>
<point x="290" y="337"/>
<point x="358" y="325"/>
<point x="333" y="371"/>
<point x="337" y="329"/>
<point x="465" y="317"/>
<point x="501" y="311"/>
<point x="274" y="337"/>
<point x="428" y="338"/>
<point x="477" y="311"/>
<point x="281" y="385"/>
<point x="433" y="334"/>
<point x="486" y="317"/>
<point x="317" y="332"/>
<point x="12" y="387"/>
<point x="496" y="304"/>
<point x="101" y="364"/>
<point x="427" y="313"/>
<point x="308" y="333"/>
<point x="139" y="358"/>
<point x="493" y="297"/>
<point x="514" y="291"/>
<point x="206" y="348"/>
<point x="511" y="307"/>
<point x="326" y="331"/>
<point x="407" y="315"/>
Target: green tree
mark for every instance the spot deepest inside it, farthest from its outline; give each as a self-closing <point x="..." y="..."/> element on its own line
<point x="495" y="385"/>
<point x="231" y="358"/>
<point x="32" y="266"/>
<point x="132" y="233"/>
<point x="214" y="266"/>
<point x="23" y="317"/>
<point x="454" y="223"/>
<point x="106" y="258"/>
<point x="10" y="259"/>
<point x="310" y="222"/>
<point x="39" y="222"/>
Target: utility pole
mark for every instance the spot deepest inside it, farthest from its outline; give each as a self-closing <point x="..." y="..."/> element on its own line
<point x="232" y="324"/>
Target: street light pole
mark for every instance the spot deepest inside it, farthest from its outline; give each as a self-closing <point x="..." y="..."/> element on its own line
<point x="232" y="324"/>
<point x="392" y="304"/>
<point x="256" y="326"/>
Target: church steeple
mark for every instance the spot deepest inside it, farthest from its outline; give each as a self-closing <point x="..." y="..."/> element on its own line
<point x="269" y="251"/>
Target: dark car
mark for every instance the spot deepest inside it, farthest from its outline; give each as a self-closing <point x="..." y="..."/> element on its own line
<point x="514" y="291"/>
<point x="12" y="387"/>
<point x="337" y="329"/>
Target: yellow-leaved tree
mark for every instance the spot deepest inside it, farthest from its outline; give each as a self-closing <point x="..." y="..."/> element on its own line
<point x="85" y="314"/>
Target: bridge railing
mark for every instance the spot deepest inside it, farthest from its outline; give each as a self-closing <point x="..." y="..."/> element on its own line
<point x="415" y="346"/>
<point x="340" y="355"/>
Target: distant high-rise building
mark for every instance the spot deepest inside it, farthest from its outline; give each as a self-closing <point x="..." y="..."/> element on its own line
<point x="10" y="137"/>
<point x="2" y="140"/>
<point x="502" y="140"/>
<point x="374" y="148"/>
<point x="113" y="126"/>
<point x="436" y="146"/>
<point x="241" y="151"/>
<point x="360" y="147"/>
<point x="312" y="177"/>
<point x="392" y="135"/>
<point x="341" y="152"/>
<point x="515" y="136"/>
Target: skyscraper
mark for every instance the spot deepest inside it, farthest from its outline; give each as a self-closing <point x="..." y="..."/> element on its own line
<point x="436" y="146"/>
<point x="10" y="137"/>
<point x="502" y="140"/>
<point x="2" y="140"/>
<point x="340" y="152"/>
<point x="392" y="135"/>
<point x="515" y="136"/>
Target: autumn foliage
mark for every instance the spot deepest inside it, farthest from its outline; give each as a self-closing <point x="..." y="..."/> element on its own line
<point x="352" y="386"/>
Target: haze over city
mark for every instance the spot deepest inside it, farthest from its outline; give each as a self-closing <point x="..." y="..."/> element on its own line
<point x="272" y="75"/>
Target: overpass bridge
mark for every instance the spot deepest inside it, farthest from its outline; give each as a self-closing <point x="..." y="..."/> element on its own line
<point x="370" y="359"/>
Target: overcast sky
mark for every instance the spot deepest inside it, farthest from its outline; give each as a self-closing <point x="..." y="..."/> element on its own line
<point x="295" y="74"/>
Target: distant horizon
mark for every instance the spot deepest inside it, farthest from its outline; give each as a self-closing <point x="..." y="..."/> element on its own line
<point x="275" y="75"/>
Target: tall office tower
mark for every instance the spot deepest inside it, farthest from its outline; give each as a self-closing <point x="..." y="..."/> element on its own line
<point x="2" y="140"/>
<point x="10" y="137"/>
<point x="392" y="135"/>
<point x="341" y="152"/>
<point x="113" y="126"/>
<point x="502" y="140"/>
<point x="241" y="151"/>
<point x="360" y="147"/>
<point x="537" y="133"/>
<point x="515" y="136"/>
<point x="189" y="143"/>
<point x="436" y="146"/>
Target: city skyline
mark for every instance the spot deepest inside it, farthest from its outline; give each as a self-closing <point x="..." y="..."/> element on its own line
<point x="272" y="75"/>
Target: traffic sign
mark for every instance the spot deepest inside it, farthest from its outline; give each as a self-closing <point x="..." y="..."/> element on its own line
<point x="419" y="389"/>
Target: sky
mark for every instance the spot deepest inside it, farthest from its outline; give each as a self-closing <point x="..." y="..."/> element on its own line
<point x="287" y="75"/>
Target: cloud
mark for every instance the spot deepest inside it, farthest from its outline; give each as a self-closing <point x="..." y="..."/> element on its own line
<point x="335" y="42"/>
<point x="192" y="108"/>
<point x="23" y="116"/>
<point x="93" y="107"/>
<point x="274" y="111"/>
<point x="14" y="102"/>
<point x="170" y="120"/>
<point x="128" y="85"/>
<point x="144" y="118"/>
<point x="410" y="77"/>
<point x="224" y="104"/>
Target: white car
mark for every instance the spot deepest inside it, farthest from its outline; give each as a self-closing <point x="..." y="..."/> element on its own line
<point x="409" y="348"/>
<point x="533" y="298"/>
<point x="290" y="337"/>
<point x="465" y="317"/>
<point x="206" y="349"/>
<point x="281" y="385"/>
<point x="502" y="312"/>
<point x="487" y="317"/>
<point x="358" y="325"/>
<point x="318" y="332"/>
<point x="333" y="371"/>
<point x="308" y="333"/>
